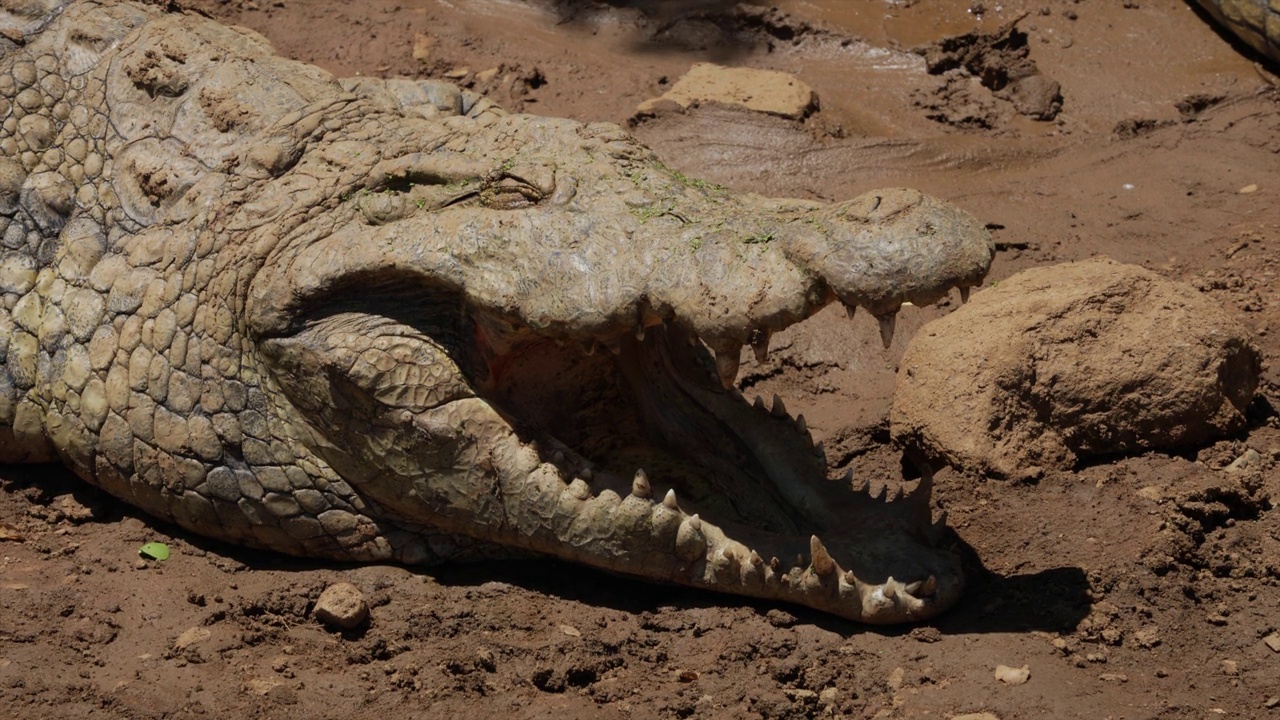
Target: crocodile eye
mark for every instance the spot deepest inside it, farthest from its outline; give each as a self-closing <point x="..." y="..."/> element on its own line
<point x="510" y="194"/>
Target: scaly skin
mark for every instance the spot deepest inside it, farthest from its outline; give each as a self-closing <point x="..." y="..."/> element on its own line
<point x="370" y="320"/>
<point x="1257" y="22"/>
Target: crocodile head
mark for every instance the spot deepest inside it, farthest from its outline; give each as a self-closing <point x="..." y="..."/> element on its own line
<point x="378" y="321"/>
<point x="528" y="331"/>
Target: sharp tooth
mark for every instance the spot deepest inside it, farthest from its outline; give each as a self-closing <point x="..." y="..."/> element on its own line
<point x="614" y="345"/>
<point x="849" y="577"/>
<point x="690" y="542"/>
<point x="640" y="486"/>
<point x="929" y="587"/>
<point x="964" y="294"/>
<point x="669" y="500"/>
<point x="759" y="403"/>
<point x="889" y="589"/>
<point x="799" y="561"/>
<point x="848" y="477"/>
<point x="850" y="309"/>
<point x="774" y="563"/>
<point x="822" y="562"/>
<point x="557" y="456"/>
<point x="761" y="346"/>
<point x="640" y="333"/>
<point x="755" y="559"/>
<point x="586" y="474"/>
<point x="727" y="554"/>
<point x="912" y="588"/>
<point x="727" y="365"/>
<point x="591" y="347"/>
<point x="801" y="426"/>
<point x="887" y="323"/>
<point x="897" y="495"/>
<point x="779" y="410"/>
<point x="819" y="449"/>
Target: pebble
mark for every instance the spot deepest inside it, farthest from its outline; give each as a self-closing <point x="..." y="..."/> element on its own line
<point x="1250" y="188"/>
<point x="976" y="716"/>
<point x="342" y="606"/>
<point x="1250" y="459"/>
<point x="1013" y="676"/>
<point x="1272" y="641"/>
<point x="1147" y="638"/>
<point x="190" y="637"/>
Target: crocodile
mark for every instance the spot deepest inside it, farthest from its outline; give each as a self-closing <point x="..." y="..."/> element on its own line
<point x="386" y="321"/>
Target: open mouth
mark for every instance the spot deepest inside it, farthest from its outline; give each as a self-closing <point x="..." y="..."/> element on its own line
<point x="567" y="402"/>
<point x="654" y="402"/>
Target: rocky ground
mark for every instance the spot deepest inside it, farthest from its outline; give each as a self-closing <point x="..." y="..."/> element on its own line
<point x="1131" y="587"/>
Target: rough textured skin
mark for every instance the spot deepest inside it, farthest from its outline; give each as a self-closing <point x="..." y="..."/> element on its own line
<point x="1257" y="22"/>
<point x="368" y="320"/>
<point x="1076" y="360"/>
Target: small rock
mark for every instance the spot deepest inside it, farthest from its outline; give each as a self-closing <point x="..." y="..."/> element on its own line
<point x="1272" y="641"/>
<point x="1146" y="638"/>
<point x="458" y="73"/>
<point x="1114" y="677"/>
<point x="1230" y="668"/>
<point x="485" y="76"/>
<point x="422" y="47"/>
<point x="780" y="618"/>
<point x="570" y="630"/>
<point x="925" y="634"/>
<point x="1271" y="703"/>
<point x="1250" y="188"/>
<point x="190" y="637"/>
<point x="272" y="688"/>
<point x="829" y="697"/>
<point x="1247" y="461"/>
<point x="342" y="606"/>
<point x="1152" y="493"/>
<point x="72" y="509"/>
<point x="1013" y="676"/>
<point x="1162" y="673"/>
<point x="976" y="716"/>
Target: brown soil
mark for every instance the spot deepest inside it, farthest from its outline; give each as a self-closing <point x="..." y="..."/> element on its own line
<point x="1138" y="587"/>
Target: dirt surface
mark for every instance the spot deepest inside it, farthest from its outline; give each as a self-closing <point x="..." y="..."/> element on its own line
<point x="1132" y="587"/>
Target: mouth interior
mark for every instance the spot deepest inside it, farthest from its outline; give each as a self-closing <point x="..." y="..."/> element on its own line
<point x="656" y="404"/>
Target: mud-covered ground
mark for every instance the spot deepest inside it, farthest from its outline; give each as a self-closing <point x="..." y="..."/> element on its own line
<point x="1138" y="587"/>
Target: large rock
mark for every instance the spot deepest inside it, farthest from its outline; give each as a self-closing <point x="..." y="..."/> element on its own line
<point x="1065" y="362"/>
